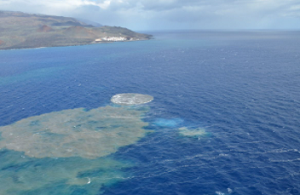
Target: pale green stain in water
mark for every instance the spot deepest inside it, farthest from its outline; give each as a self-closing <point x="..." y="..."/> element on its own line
<point x="197" y="132"/>
<point x="60" y="176"/>
<point x="67" y="151"/>
<point x="75" y="132"/>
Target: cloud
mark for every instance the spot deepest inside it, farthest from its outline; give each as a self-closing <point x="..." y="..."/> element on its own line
<point x="171" y="14"/>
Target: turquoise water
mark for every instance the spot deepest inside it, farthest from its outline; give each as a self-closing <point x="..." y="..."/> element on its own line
<point x="224" y="119"/>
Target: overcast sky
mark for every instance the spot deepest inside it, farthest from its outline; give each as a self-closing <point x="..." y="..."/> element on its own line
<point x="171" y="14"/>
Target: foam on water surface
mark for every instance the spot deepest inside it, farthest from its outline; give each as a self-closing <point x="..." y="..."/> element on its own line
<point x="131" y="99"/>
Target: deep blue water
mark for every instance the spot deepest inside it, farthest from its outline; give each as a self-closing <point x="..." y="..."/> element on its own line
<point x="243" y="88"/>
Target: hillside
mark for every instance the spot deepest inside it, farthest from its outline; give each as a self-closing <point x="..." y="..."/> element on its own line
<point x="21" y="30"/>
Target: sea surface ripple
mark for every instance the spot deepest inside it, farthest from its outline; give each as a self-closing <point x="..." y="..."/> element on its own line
<point x="242" y="88"/>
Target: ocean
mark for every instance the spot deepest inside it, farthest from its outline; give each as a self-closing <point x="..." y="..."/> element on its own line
<point x="224" y="119"/>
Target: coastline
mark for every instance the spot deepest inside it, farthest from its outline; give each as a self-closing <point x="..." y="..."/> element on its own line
<point x="57" y="31"/>
<point x="72" y="45"/>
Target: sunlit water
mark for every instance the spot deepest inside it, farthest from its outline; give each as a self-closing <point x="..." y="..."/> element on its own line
<point x="224" y="119"/>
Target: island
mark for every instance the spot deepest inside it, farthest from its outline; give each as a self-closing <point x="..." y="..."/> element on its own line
<point x="21" y="30"/>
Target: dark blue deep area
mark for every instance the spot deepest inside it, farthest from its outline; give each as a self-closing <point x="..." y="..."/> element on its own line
<point x="243" y="88"/>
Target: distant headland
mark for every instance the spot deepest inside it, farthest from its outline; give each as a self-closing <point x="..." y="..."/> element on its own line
<point x="22" y="30"/>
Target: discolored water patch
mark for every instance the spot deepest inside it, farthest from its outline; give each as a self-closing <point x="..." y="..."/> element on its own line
<point x="47" y="176"/>
<point x="131" y="99"/>
<point x="198" y="132"/>
<point x="168" y="123"/>
<point x="66" y="152"/>
<point x="32" y="74"/>
<point x="76" y="132"/>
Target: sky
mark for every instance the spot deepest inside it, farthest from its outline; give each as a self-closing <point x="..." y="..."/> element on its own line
<point x="147" y="15"/>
